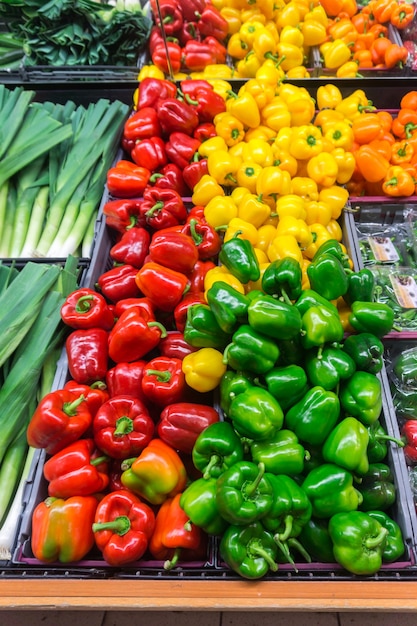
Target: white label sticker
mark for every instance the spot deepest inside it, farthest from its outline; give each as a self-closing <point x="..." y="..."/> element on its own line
<point x="405" y="289"/>
<point x="383" y="249"/>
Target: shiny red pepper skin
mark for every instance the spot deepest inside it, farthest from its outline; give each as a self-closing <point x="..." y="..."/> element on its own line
<point x="173" y="249"/>
<point x="410" y="433"/>
<point x="153" y="89"/>
<point x="119" y="283"/>
<point x="143" y="124"/>
<point x="188" y="32"/>
<point x="162" y="285"/>
<point x="132" y="247"/>
<point x="144" y="304"/>
<point x="85" y="308"/>
<point x="171" y="14"/>
<point x="191" y="7"/>
<point x="174" y="345"/>
<point x="125" y="379"/>
<point x="202" y="96"/>
<point x="127" y="180"/>
<point x="212" y="24"/>
<point x="180" y="311"/>
<point x="181" y="423"/>
<point x="204" y="131"/>
<point x="159" y="57"/>
<point x="198" y="275"/>
<point x="60" y="418"/>
<point x="197" y="55"/>
<point x="162" y="208"/>
<point x="218" y="49"/>
<point x="177" y="116"/>
<point x="194" y="171"/>
<point x="181" y="148"/>
<point x="123" y="427"/>
<point x="88" y="355"/>
<point x="95" y="395"/>
<point x="122" y="215"/>
<point x="163" y="381"/>
<point x="170" y="177"/>
<point x="79" y="469"/>
<point x="150" y="153"/>
<point x="206" y="238"/>
<point x="133" y="336"/>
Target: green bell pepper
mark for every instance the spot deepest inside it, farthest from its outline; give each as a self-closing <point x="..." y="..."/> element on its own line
<point x="394" y="547"/>
<point x="371" y="317"/>
<point x="310" y="298"/>
<point x="319" y="326"/>
<point x="378" y="446"/>
<point x="243" y="493"/>
<point x="333" y="247"/>
<point x="238" y="255"/>
<point x="361" y="397"/>
<point x="315" y="538"/>
<point x="405" y="367"/>
<point x="291" y="509"/>
<point x="366" y="350"/>
<point x="328" y="366"/>
<point x="358" y="542"/>
<point x="314" y="416"/>
<point x="274" y="318"/>
<point x="198" y="501"/>
<point x="291" y="352"/>
<point x="232" y="384"/>
<point x="281" y="453"/>
<point x="202" y="330"/>
<point x="361" y="286"/>
<point x="251" y="350"/>
<point x="377" y="488"/>
<point x="288" y="384"/>
<point x="327" y="276"/>
<point x="330" y="490"/>
<point x="216" y="448"/>
<point x="283" y="279"/>
<point x="229" y="306"/>
<point x="249" y="550"/>
<point x="256" y="414"/>
<point x="347" y="446"/>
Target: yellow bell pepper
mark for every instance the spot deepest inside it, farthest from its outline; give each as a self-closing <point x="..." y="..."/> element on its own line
<point x="245" y="108"/>
<point x="289" y="55"/>
<point x="237" y="48"/>
<point x="345" y="312"/>
<point x="292" y="205"/>
<point x="283" y="138"/>
<point x="232" y="17"/>
<point x="264" y="45"/>
<point x="229" y="127"/>
<point x="297" y="72"/>
<point x="276" y="115"/>
<point x="336" y="54"/>
<point x="293" y="35"/>
<point x="353" y="105"/>
<point x="238" y="194"/>
<point x="262" y="132"/>
<point x="258" y="151"/>
<point x="323" y="169"/>
<point x="282" y="246"/>
<point x="220" y="210"/>
<point x="346" y="163"/>
<point x="318" y="212"/>
<point x="223" y="167"/>
<point x="287" y="91"/>
<point x="340" y="134"/>
<point x="335" y="230"/>
<point x="266" y="234"/>
<point x="304" y="7"/>
<point x="206" y="189"/>
<point x="252" y="14"/>
<point x="237" y="150"/>
<point x="320" y="236"/>
<point x="306" y="142"/>
<point x="289" y="225"/>
<point x="302" y="109"/>
<point x="248" y="30"/>
<point x="203" y="369"/>
<point x="212" y="145"/>
<point x="285" y="161"/>
<point x="220" y="86"/>
<point x="267" y="8"/>
<point x="256" y="285"/>
<point x="269" y="73"/>
<point x="247" y="175"/>
<point x="273" y="181"/>
<point x="253" y="210"/>
<point x="262" y="92"/>
<point x="248" y="66"/>
<point x="305" y="281"/>
<point x="150" y="71"/>
<point x="350" y="69"/>
<point x="317" y="14"/>
<point x="328" y="96"/>
<point x="305" y="187"/>
<point x="288" y="15"/>
<point x="314" y="33"/>
<point x="336" y="197"/>
<point x="326" y="118"/>
<point x="220" y="272"/>
<point x="261" y="256"/>
<point x="239" y="227"/>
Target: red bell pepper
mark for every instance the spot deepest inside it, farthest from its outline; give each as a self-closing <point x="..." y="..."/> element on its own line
<point x="189" y="31"/>
<point x="197" y="55"/>
<point x="194" y="171"/>
<point x="174" y="538"/>
<point x="190" y="8"/>
<point x="123" y="214"/>
<point x="181" y="310"/>
<point x="170" y="13"/>
<point x="181" y="423"/>
<point x="123" y="526"/>
<point x="95" y="395"/>
<point x="127" y="180"/>
<point x="143" y="124"/>
<point x="160" y="58"/>
<point x="207" y="102"/>
<point x="173" y="249"/>
<point x="88" y="355"/>
<point x="162" y="285"/>
<point x="150" y="153"/>
<point x="85" y="308"/>
<point x="198" y="275"/>
<point x="177" y="116"/>
<point x="204" y="131"/>
<point x="115" y="474"/>
<point x="119" y="283"/>
<point x="206" y="238"/>
<point x="162" y="208"/>
<point x="175" y="346"/>
<point x="77" y="470"/>
<point x="170" y="177"/>
<point x="125" y="379"/>
<point x="132" y="247"/>
<point x="151" y="90"/>
<point x="163" y="381"/>
<point x="155" y="38"/>
<point x="211" y="23"/>
<point x="123" y="427"/>
<point x="133" y="336"/>
<point x="60" y="418"/>
<point x="409" y="431"/>
<point x="181" y="148"/>
<point x="218" y="49"/>
<point x="144" y="304"/>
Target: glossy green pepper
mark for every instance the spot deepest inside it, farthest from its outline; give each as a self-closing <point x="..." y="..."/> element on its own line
<point x="238" y="255"/>
<point x="291" y="509"/>
<point x="217" y="448"/>
<point x="361" y="286"/>
<point x="310" y="298"/>
<point x="330" y="490"/>
<point x="314" y="416"/>
<point x="315" y="538"/>
<point x="281" y="453"/>
<point x="328" y="366"/>
<point x="371" y="317"/>
<point x="405" y="367"/>
<point x="243" y="493"/>
<point x="333" y="247"/>
<point x="274" y="318"/>
<point x="251" y="350"/>
<point x="249" y="550"/>
<point x="229" y="306"/>
<point x="358" y="542"/>
<point x="327" y="276"/>
<point x="394" y="547"/>
<point x="202" y="330"/>
<point x="198" y="501"/>
<point x="320" y="326"/>
<point x="361" y="397"/>
<point x="283" y="279"/>
<point x="377" y="488"/>
<point x="347" y="446"/>
<point x="232" y="384"/>
<point x="377" y="445"/>
<point x="256" y="414"/>
<point x="288" y="384"/>
<point x="366" y="350"/>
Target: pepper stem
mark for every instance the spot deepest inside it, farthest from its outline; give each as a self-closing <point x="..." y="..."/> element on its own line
<point x="197" y="238"/>
<point x="124" y="426"/>
<point x="70" y="408"/>
<point x="255" y="548"/>
<point x="288" y="524"/>
<point x="285" y="551"/>
<point x="171" y="563"/>
<point x="83" y="304"/>
<point x="162" y="376"/>
<point x="374" y="542"/>
<point x="250" y="488"/>
<point x="160" y="326"/>
<point x="399" y="442"/>
<point x="285" y="297"/>
<point x="120" y="525"/>
<point x="98" y="460"/>
<point x="214" y="460"/>
<point x="156" y="207"/>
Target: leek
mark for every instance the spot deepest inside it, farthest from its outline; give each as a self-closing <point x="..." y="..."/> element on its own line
<point x="11" y="469"/>
<point x="36" y="222"/>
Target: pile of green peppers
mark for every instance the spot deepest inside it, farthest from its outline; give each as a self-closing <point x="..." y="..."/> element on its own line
<point x="298" y="467"/>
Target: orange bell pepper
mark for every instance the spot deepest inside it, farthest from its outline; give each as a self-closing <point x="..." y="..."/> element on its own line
<point x="409" y="100"/>
<point x="395" y="56"/>
<point x="398" y="182"/>
<point x="371" y="164"/>
<point x="401" y="152"/>
<point x="366" y="128"/>
<point x="404" y="126"/>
